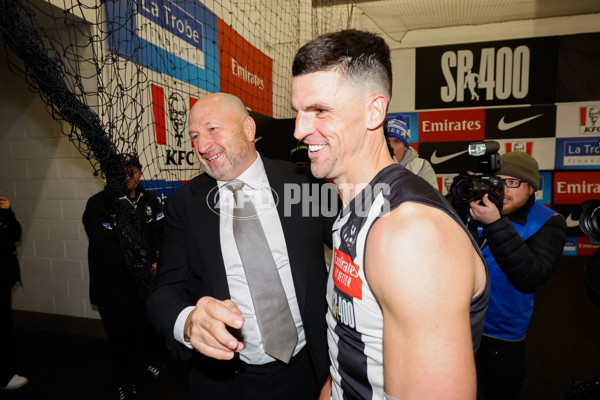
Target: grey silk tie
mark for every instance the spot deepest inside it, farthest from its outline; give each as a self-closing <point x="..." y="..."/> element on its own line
<point x="273" y="313"/>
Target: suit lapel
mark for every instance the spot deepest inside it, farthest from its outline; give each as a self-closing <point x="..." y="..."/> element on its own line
<point x="207" y="237"/>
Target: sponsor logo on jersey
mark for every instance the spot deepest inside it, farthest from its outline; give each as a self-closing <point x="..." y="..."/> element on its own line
<point x="345" y="274"/>
<point x="343" y="310"/>
<point x="349" y="234"/>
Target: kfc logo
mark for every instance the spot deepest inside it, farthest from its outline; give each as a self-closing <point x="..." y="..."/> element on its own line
<point x="525" y="147"/>
<point x="589" y="119"/>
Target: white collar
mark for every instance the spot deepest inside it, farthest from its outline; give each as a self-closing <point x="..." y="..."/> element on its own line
<point x="254" y="176"/>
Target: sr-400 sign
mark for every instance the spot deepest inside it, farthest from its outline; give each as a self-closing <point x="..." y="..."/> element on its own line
<point x="502" y="73"/>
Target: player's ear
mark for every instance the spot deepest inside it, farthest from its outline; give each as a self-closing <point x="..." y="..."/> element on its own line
<point x="376" y="110"/>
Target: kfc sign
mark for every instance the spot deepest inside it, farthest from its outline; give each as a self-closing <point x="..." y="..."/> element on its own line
<point x="576" y="187"/>
<point x="456" y="125"/>
<point x="589" y="119"/>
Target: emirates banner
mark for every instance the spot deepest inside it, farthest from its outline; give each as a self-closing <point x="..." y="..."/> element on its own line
<point x="489" y="73"/>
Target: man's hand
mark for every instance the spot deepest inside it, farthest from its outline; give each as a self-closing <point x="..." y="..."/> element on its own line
<point x="486" y="213"/>
<point x="4" y="203"/>
<point x="206" y="328"/>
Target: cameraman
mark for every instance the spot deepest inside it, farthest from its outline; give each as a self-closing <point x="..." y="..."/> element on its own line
<point x="522" y="244"/>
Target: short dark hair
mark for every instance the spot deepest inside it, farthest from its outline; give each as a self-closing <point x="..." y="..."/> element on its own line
<point x="357" y="55"/>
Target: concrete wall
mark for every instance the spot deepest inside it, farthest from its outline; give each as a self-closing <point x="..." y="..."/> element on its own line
<point x="48" y="184"/>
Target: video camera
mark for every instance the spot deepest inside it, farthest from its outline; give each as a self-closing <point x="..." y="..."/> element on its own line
<point x="468" y="186"/>
<point x="589" y="220"/>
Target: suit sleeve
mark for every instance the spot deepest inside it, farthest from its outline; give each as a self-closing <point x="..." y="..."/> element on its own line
<point x="174" y="287"/>
<point x="527" y="263"/>
<point x="93" y="218"/>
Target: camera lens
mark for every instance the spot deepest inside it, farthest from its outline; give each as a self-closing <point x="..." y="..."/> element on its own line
<point x="467" y="188"/>
<point x="589" y="221"/>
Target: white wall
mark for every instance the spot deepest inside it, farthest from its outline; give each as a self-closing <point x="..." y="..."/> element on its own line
<point x="48" y="184"/>
<point x="403" y="53"/>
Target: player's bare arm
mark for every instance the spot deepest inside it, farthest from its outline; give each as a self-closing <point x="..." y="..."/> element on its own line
<point x="424" y="272"/>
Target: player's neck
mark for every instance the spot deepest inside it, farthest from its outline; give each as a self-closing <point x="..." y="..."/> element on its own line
<point x="356" y="179"/>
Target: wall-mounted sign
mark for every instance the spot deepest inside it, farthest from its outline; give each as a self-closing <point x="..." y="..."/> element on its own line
<point x="489" y="73"/>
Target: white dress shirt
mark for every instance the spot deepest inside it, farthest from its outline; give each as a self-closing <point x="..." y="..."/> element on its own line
<point x="258" y="190"/>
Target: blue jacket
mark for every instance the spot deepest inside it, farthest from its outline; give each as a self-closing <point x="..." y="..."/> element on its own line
<point x="521" y="251"/>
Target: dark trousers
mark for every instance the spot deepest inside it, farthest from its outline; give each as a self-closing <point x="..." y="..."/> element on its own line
<point x="9" y="275"/>
<point x="132" y="341"/>
<point x="501" y="368"/>
<point x="235" y="380"/>
<point x="7" y="361"/>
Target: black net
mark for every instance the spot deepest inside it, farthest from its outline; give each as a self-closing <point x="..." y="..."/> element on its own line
<point x="123" y="74"/>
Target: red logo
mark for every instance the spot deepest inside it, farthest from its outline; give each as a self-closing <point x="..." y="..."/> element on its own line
<point x="170" y="110"/>
<point x="451" y="126"/>
<point x="526" y="147"/>
<point x="245" y="71"/>
<point x="584" y="247"/>
<point x="576" y="187"/>
<point x="589" y="119"/>
<point x="345" y="274"/>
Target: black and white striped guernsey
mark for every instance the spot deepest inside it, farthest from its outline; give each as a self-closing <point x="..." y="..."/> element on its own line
<point x="354" y="318"/>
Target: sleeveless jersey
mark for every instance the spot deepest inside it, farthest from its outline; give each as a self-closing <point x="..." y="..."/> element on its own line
<point x="354" y="318"/>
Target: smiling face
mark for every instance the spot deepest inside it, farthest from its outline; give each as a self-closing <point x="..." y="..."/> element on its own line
<point x="331" y="120"/>
<point x="222" y="134"/>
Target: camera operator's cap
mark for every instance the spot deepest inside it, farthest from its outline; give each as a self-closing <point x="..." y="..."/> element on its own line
<point x="398" y="129"/>
<point x="522" y="166"/>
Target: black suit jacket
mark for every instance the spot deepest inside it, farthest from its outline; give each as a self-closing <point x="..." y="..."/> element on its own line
<point x="191" y="262"/>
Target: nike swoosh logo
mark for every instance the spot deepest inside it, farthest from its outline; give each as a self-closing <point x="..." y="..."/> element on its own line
<point x="438" y="160"/>
<point x="504" y="126"/>
<point x="571" y="223"/>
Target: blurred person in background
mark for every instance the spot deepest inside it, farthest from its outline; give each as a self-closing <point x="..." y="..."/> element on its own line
<point x="10" y="233"/>
<point x="398" y="139"/>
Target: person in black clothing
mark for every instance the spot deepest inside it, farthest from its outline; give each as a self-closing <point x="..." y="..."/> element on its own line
<point x="522" y="244"/>
<point x="118" y="288"/>
<point x="10" y="232"/>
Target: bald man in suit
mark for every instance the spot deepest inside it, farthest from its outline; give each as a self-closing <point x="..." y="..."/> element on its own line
<point x="200" y="300"/>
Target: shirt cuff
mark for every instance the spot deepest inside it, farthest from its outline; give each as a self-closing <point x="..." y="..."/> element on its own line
<point x="180" y="326"/>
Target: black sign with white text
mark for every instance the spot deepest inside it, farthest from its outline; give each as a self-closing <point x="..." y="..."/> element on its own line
<point x="489" y="73"/>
